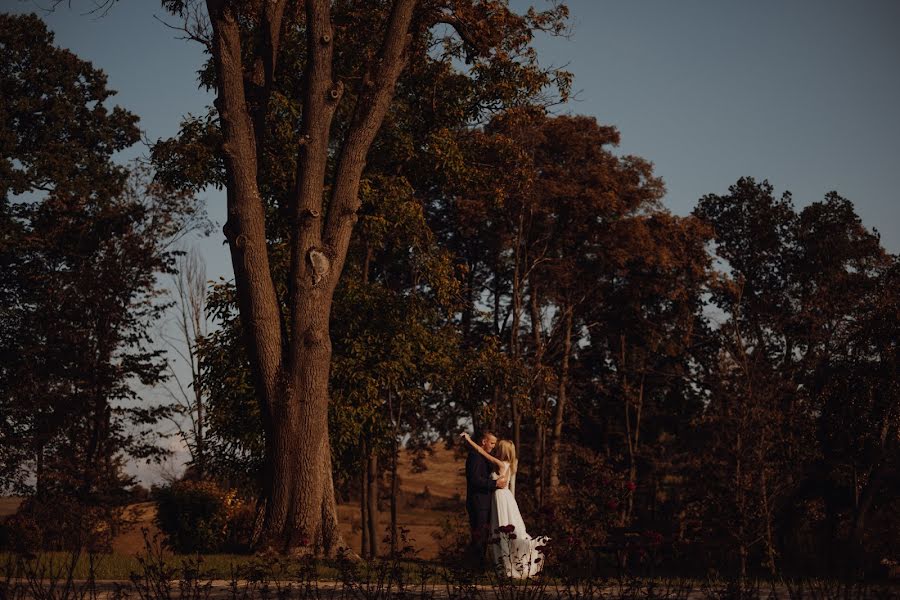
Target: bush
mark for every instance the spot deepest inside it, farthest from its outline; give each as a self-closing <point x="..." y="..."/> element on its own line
<point x="199" y="516"/>
<point x="58" y="522"/>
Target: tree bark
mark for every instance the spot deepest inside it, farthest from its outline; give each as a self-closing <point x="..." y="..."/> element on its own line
<point x="364" y="502"/>
<point x="632" y="434"/>
<point x="538" y="393"/>
<point x="395" y="451"/>
<point x="395" y="489"/>
<point x="515" y="413"/>
<point x="291" y="362"/>
<point x="369" y="495"/>
<point x="559" y="413"/>
<point x="740" y="503"/>
<point x="372" y="521"/>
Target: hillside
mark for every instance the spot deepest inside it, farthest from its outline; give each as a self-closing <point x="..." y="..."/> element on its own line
<point x="427" y="502"/>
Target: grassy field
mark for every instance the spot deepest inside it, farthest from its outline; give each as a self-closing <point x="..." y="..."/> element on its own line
<point x="428" y="501"/>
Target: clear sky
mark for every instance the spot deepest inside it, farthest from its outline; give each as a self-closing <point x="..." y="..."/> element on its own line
<point x="805" y="93"/>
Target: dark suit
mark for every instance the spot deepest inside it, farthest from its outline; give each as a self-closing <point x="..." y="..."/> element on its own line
<point x="479" y="495"/>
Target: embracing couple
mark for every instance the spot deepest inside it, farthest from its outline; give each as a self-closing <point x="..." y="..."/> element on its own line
<point x="494" y="515"/>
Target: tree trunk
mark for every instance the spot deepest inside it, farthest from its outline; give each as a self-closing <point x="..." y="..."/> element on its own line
<point x="364" y="501"/>
<point x="291" y="370"/>
<point x="395" y="451"/>
<point x="767" y="515"/>
<point x="372" y="521"/>
<point x="300" y="511"/>
<point x="559" y="413"/>
<point x="201" y="449"/>
<point x="367" y="520"/>
<point x="632" y="429"/>
<point x="866" y="501"/>
<point x="496" y="408"/>
<point x="633" y="433"/>
<point x="878" y="474"/>
<point x="395" y="489"/>
<point x="514" y="411"/>
<point x="538" y="394"/>
<point x="740" y="504"/>
<point x="542" y="465"/>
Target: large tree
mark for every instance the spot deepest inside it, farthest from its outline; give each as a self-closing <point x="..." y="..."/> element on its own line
<point x="337" y="65"/>
<point x="800" y="409"/>
<point x="83" y="239"/>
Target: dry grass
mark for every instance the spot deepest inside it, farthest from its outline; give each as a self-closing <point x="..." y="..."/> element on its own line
<point x="8" y="506"/>
<point x="423" y="514"/>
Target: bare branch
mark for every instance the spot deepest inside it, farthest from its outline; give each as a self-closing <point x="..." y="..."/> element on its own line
<point x="194" y="28"/>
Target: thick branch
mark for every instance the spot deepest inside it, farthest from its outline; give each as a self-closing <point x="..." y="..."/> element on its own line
<point x="321" y="97"/>
<point x="263" y="79"/>
<point x="371" y="108"/>
<point x="245" y="228"/>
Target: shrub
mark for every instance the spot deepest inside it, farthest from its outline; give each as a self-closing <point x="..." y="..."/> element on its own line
<point x="58" y="522"/>
<point x="199" y="516"/>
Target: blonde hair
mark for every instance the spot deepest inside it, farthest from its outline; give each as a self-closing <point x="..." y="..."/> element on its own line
<point x="506" y="451"/>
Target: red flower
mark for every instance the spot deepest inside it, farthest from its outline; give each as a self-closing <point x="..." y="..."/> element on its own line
<point x="631" y="486"/>
<point x="654" y="538"/>
<point x="612" y="505"/>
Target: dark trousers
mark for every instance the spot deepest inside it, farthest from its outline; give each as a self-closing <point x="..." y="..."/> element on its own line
<point x="480" y="526"/>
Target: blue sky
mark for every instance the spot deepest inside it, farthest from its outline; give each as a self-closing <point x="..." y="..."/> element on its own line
<point x="805" y="93"/>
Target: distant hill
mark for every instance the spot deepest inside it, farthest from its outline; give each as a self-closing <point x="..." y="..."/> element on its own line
<point x="427" y="502"/>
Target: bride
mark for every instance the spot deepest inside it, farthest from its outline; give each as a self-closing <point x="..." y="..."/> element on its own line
<point x="514" y="552"/>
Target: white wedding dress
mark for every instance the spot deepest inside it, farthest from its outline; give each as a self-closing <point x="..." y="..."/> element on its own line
<point x="515" y="553"/>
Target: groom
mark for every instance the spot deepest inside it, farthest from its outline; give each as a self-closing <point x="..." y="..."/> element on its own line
<point x="479" y="491"/>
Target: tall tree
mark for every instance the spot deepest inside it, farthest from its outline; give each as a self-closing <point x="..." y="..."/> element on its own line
<point x="83" y="242"/>
<point x="550" y="233"/>
<point x="750" y="417"/>
<point x="345" y="85"/>
<point x="791" y="378"/>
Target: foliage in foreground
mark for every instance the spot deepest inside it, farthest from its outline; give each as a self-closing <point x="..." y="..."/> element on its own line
<point x="158" y="575"/>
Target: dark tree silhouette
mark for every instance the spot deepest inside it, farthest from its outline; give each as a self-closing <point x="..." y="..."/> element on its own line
<point x="83" y="241"/>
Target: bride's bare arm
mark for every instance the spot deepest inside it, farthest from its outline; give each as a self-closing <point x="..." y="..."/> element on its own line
<point x="481" y="451"/>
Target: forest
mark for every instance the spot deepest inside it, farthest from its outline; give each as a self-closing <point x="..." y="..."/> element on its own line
<point x="424" y="243"/>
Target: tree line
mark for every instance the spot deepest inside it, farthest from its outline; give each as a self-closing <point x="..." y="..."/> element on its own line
<point x="420" y="245"/>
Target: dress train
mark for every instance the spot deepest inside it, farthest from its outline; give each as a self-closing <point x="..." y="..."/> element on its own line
<point x="514" y="552"/>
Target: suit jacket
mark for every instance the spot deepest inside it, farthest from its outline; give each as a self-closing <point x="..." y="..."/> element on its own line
<point x="479" y="485"/>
